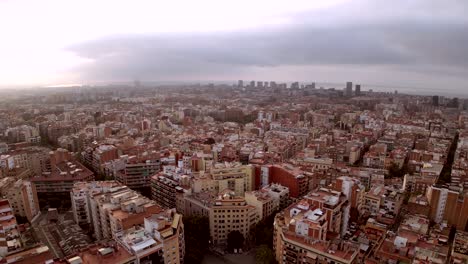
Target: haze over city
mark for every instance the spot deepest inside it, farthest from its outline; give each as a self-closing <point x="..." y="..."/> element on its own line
<point x="249" y="131"/>
<point x="416" y="44"/>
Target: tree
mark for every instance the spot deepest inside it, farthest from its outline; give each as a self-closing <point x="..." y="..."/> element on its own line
<point x="264" y="255"/>
<point x="197" y="237"/>
<point x="235" y="240"/>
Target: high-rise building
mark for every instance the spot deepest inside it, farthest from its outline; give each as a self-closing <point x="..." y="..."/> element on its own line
<point x="240" y="84"/>
<point x="448" y="205"/>
<point x="313" y="85"/>
<point x="435" y="100"/>
<point x="349" y="89"/>
<point x="252" y="84"/>
<point x="259" y="84"/>
<point x="358" y="90"/>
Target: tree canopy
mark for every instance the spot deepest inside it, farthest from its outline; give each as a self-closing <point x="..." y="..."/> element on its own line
<point x="235" y="240"/>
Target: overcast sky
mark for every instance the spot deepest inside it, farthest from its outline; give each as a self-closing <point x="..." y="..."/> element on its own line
<point x="416" y="43"/>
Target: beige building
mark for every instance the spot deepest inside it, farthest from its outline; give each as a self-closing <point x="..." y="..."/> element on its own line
<point x="264" y="204"/>
<point x="161" y="239"/>
<point x="226" y="212"/>
<point x="82" y="194"/>
<point x="22" y="196"/>
<point x="112" y="209"/>
<point x="233" y="176"/>
<point x="300" y="236"/>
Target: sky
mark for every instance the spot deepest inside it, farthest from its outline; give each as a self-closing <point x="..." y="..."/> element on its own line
<point x="410" y="43"/>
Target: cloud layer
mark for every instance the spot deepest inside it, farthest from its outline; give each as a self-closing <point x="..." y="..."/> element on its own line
<point x="422" y="43"/>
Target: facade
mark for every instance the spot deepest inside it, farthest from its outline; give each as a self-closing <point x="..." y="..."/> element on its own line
<point x="82" y="194"/>
<point x="138" y="171"/>
<point x="9" y="234"/>
<point x="334" y="205"/>
<point x="300" y="236"/>
<point x="286" y="175"/>
<point x="160" y="240"/>
<point x="226" y="212"/>
<point x="64" y="173"/>
<point x="265" y="204"/>
<point x="112" y="207"/>
<point x="164" y="189"/>
<point x="448" y="205"/>
<point x="22" y="197"/>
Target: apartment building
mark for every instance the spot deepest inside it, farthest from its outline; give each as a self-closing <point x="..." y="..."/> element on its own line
<point x="164" y="187"/>
<point x="286" y="175"/>
<point x="264" y="204"/>
<point x="279" y="193"/>
<point x="234" y="176"/>
<point x="300" y="236"/>
<point x="10" y="240"/>
<point x="119" y="209"/>
<point x="64" y="173"/>
<point x="160" y="240"/>
<point x="226" y="212"/>
<point x="334" y="206"/>
<point x="22" y="196"/>
<point x="82" y="194"/>
<point x="138" y="170"/>
<point x="449" y="205"/>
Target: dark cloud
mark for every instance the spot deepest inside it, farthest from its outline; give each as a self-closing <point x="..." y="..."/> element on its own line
<point x="420" y="46"/>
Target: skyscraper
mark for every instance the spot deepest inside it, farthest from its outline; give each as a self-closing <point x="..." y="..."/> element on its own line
<point x="435" y="100"/>
<point x="358" y="90"/>
<point x="349" y="89"/>
<point x="252" y="84"/>
<point x="240" y="84"/>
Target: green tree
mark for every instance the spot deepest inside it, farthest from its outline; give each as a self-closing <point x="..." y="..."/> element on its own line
<point x="264" y="255"/>
<point x="197" y="237"/>
<point x="235" y="240"/>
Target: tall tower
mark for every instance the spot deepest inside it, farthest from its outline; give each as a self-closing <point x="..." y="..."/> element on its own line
<point x="349" y="89"/>
<point x="358" y="90"/>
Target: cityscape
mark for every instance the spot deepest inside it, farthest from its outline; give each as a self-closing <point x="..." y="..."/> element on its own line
<point x="226" y="132"/>
<point x="255" y="172"/>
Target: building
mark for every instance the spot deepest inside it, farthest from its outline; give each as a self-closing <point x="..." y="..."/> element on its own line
<point x="265" y="204"/>
<point x="82" y="194"/>
<point x="112" y="207"/>
<point x="233" y="176"/>
<point x="138" y="171"/>
<point x="448" y="205"/>
<point x="164" y="187"/>
<point x="301" y="236"/>
<point x="349" y="89"/>
<point x="160" y="240"/>
<point x="9" y="234"/>
<point x="334" y="206"/>
<point x="358" y="90"/>
<point x="226" y="212"/>
<point x="36" y="254"/>
<point x="280" y="193"/>
<point x="22" y="196"/>
<point x="65" y="172"/>
<point x="435" y="100"/>
<point x="459" y="248"/>
<point x="240" y="84"/>
<point x="286" y="175"/>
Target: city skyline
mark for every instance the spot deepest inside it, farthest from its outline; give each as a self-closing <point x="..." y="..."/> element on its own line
<point x="418" y="44"/>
